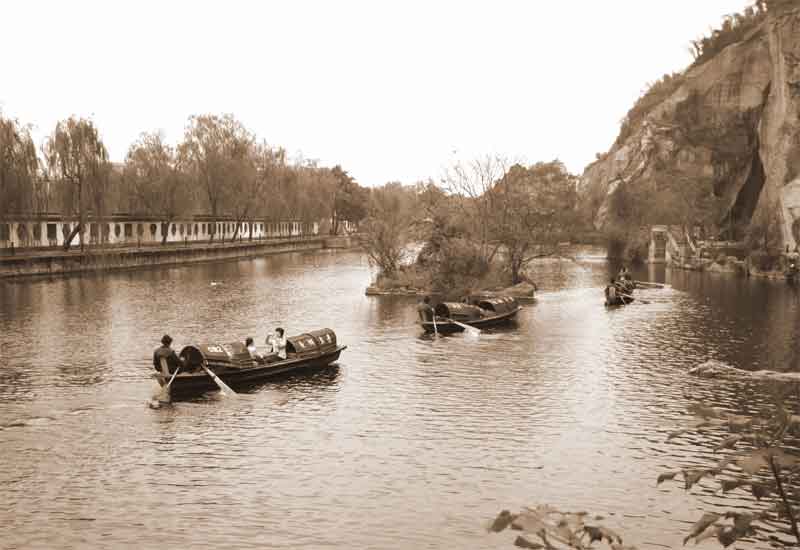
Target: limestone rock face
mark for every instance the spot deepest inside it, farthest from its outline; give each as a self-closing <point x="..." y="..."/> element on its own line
<point x="734" y="119"/>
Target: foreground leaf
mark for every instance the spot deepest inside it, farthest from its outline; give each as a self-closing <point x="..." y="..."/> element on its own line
<point x="760" y="490"/>
<point x="690" y="477"/>
<point x="728" y="443"/>
<point x="705" y="412"/>
<point x="666" y="476"/>
<point x="503" y="520"/>
<point x="524" y="542"/>
<point x="753" y="461"/>
<point x="727" y="536"/>
<point x="731" y="484"/>
<point x="701" y="525"/>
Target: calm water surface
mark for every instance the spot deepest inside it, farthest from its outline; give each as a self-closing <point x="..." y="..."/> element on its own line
<point x="410" y="443"/>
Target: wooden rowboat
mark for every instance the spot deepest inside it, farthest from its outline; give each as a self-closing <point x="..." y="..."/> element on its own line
<point x="236" y="367"/>
<point x="483" y="313"/>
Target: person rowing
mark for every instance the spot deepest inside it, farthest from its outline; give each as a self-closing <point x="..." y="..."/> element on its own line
<point x="611" y="292"/>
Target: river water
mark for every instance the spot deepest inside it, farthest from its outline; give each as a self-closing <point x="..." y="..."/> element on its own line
<point x="410" y="443"/>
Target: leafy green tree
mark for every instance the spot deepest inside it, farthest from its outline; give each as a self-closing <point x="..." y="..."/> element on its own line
<point x="78" y="159"/>
<point x="534" y="209"/>
<point x="387" y="227"/>
<point x="350" y="200"/>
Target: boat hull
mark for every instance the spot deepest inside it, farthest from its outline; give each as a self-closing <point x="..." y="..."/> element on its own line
<point x="447" y="327"/>
<point x="198" y="382"/>
<point x="619" y="301"/>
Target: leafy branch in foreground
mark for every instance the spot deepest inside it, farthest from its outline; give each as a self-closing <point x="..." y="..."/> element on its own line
<point x="762" y="464"/>
<point x="544" y="527"/>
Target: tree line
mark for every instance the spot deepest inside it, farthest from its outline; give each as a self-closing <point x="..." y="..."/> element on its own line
<point x="218" y="168"/>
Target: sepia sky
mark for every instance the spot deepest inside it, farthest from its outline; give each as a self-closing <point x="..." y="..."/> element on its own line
<point x="392" y="91"/>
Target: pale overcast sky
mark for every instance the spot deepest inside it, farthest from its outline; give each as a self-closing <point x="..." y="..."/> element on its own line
<point x="389" y="90"/>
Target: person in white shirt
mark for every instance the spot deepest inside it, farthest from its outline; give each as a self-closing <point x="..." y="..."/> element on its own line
<point x="251" y="347"/>
<point x="278" y="342"/>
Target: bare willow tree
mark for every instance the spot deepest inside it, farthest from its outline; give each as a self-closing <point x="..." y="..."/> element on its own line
<point x="159" y="185"/>
<point x="18" y="168"/>
<point x="387" y="227"/>
<point x="213" y="148"/>
<point x="471" y="184"/>
<point x="78" y="160"/>
<point x="249" y="179"/>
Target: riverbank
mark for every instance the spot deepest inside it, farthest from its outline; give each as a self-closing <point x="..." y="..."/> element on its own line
<point x="59" y="262"/>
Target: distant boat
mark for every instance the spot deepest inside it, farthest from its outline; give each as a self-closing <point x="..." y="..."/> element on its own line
<point x="234" y="365"/>
<point x="483" y="313"/>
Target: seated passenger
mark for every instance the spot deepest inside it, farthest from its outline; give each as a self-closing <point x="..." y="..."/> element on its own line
<point x="277" y="343"/>
<point x="251" y="347"/>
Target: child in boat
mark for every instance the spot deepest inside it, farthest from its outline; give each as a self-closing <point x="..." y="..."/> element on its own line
<point x="251" y="347"/>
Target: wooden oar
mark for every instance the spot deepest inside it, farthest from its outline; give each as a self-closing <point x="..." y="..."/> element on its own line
<point x="164" y="395"/>
<point x="632" y="298"/>
<point x="435" y="330"/>
<point x="472" y="331"/>
<point x="648" y="283"/>
<point x="222" y="385"/>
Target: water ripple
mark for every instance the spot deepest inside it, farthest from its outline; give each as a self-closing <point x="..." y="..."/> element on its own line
<point x="411" y="442"/>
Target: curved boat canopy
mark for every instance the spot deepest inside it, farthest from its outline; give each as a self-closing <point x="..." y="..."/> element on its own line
<point x="499" y="305"/>
<point x="458" y="311"/>
<point x="234" y="353"/>
<point x="310" y="343"/>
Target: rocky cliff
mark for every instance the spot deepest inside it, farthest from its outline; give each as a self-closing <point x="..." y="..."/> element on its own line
<point x="732" y="120"/>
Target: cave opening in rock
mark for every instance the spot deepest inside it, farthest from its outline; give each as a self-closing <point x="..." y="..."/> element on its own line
<point x="736" y="222"/>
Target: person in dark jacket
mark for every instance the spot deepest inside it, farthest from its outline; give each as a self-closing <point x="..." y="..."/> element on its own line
<point x="167" y="353"/>
<point x="611" y="292"/>
<point x="425" y="310"/>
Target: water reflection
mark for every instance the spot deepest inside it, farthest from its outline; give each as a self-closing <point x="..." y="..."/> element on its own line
<point x="410" y="443"/>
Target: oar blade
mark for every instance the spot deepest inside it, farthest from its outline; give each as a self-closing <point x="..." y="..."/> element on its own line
<point x="222" y="385"/>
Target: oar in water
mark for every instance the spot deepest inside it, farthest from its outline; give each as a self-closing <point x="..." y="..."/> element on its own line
<point x="632" y="298"/>
<point x="435" y="330"/>
<point x="472" y="331"/>
<point x="164" y="395"/>
<point x="648" y="283"/>
<point x="222" y="385"/>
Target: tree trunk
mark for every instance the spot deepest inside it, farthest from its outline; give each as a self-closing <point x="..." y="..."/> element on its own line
<point x="75" y="231"/>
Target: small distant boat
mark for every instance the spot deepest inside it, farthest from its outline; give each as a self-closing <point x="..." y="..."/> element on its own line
<point x="482" y="313"/>
<point x="234" y="365"/>
<point x="623" y="295"/>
